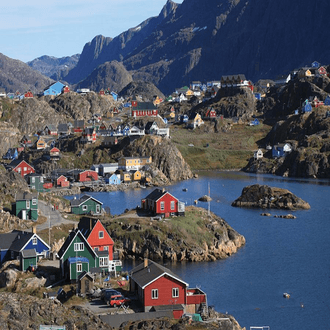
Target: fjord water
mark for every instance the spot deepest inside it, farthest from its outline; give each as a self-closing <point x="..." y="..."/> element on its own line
<point x="280" y="255"/>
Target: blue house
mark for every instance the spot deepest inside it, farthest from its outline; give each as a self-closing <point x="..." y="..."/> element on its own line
<point x="257" y="96"/>
<point x="113" y="179"/>
<point x="306" y="107"/>
<point x="114" y="95"/>
<point x="54" y="89"/>
<point x="21" y="244"/>
<point x="327" y="100"/>
<point x="11" y="154"/>
<point x="315" y="64"/>
<point x="184" y="119"/>
<point x="254" y="122"/>
<point x="281" y="150"/>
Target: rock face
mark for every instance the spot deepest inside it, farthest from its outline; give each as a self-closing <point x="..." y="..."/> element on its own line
<point x="262" y="196"/>
<point x="19" y="312"/>
<point x="165" y="157"/>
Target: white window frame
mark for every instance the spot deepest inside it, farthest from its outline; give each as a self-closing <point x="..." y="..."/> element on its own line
<point x="175" y="292"/>
<point x="34" y="241"/>
<point x="27" y="205"/>
<point x="154" y="294"/>
<point x="84" y="207"/>
<point x="106" y="248"/>
<point x="34" y="201"/>
<point x="103" y="261"/>
<point x="79" y="267"/>
<point x="172" y="205"/>
<point x="78" y="246"/>
<point x="98" y="208"/>
<point x="33" y="179"/>
<point x="101" y="234"/>
<point x="162" y="206"/>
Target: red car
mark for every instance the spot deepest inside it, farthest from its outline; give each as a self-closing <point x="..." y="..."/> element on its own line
<point x="118" y="300"/>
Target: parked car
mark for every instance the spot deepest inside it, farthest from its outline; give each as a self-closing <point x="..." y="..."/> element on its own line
<point x="106" y="294"/>
<point x="118" y="300"/>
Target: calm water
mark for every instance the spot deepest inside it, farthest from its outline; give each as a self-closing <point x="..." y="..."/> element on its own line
<point x="280" y="255"/>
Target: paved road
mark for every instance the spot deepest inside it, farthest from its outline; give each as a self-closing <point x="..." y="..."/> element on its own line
<point x="54" y="216"/>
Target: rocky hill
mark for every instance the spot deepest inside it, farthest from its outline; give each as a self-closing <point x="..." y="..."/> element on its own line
<point x="18" y="76"/>
<point x="54" y="67"/>
<point x="194" y="237"/>
<point x="141" y="88"/>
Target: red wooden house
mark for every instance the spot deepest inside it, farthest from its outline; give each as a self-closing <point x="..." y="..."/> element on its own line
<point x="101" y="92"/>
<point x="21" y="167"/>
<point x="88" y="135"/>
<point x="54" y="153"/>
<point x="158" y="288"/>
<point x="28" y="94"/>
<point x="62" y="181"/>
<point x="88" y="175"/>
<point x="65" y="89"/>
<point x="141" y="109"/>
<point x="160" y="202"/>
<point x="97" y="236"/>
<point x="211" y="113"/>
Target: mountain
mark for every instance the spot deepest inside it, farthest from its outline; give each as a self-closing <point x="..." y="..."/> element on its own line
<point x="200" y="40"/>
<point x="104" y="49"/>
<point x="54" y="67"/>
<point x="18" y="76"/>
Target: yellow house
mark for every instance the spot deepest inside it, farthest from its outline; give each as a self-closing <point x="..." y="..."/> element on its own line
<point x="125" y="176"/>
<point x="157" y="101"/>
<point x="41" y="144"/>
<point x="304" y="72"/>
<point x="136" y="175"/>
<point x="189" y="92"/>
<point x="133" y="163"/>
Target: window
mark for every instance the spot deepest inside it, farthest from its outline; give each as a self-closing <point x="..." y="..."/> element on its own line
<point x="103" y="261"/>
<point x="98" y="209"/>
<point x="84" y="207"/>
<point x="106" y="248"/>
<point x="79" y="246"/>
<point x="154" y="294"/>
<point x="162" y="206"/>
<point x="34" y="201"/>
<point x="25" y="168"/>
<point x="41" y="179"/>
<point x="79" y="268"/>
<point x="27" y="205"/>
<point x="175" y="292"/>
<point x="33" y="179"/>
<point x="96" y="249"/>
<point x="101" y="234"/>
<point x="172" y="205"/>
<point x="34" y="241"/>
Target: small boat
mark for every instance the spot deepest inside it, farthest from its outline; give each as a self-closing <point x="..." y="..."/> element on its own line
<point x="286" y="295"/>
<point x="184" y="189"/>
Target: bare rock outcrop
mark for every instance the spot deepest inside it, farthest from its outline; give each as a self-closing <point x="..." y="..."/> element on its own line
<point x="263" y="196"/>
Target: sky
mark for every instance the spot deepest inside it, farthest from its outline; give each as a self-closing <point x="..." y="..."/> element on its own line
<point x="30" y="29"/>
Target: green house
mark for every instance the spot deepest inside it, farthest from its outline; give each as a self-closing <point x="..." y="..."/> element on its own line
<point x="77" y="256"/>
<point x="28" y="258"/>
<point x="26" y="206"/>
<point x="85" y="205"/>
<point x="35" y="182"/>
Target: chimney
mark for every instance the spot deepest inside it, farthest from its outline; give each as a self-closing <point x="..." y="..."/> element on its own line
<point x="145" y="262"/>
<point x="163" y="190"/>
<point x="34" y="229"/>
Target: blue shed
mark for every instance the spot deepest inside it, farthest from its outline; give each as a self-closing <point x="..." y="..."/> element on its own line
<point x="327" y="100"/>
<point x="113" y="179"/>
<point x="258" y="96"/>
<point x="114" y="95"/>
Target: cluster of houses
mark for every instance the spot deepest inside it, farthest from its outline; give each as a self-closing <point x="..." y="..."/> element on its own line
<point x="88" y="250"/>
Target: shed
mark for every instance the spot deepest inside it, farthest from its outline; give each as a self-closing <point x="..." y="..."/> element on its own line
<point x="28" y="259"/>
<point x="85" y="282"/>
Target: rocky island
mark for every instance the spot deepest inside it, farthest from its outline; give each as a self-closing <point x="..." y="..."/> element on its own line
<point x="263" y="196"/>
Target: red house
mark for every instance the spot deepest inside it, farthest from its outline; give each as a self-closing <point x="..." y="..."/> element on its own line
<point x="66" y="89"/>
<point x="141" y="109"/>
<point x="211" y="113"/>
<point x="88" y="175"/>
<point x="101" y="92"/>
<point x="54" y="152"/>
<point x="161" y="202"/>
<point x="28" y="94"/>
<point x="158" y="288"/>
<point x="97" y="237"/>
<point x="21" y="167"/>
<point x="62" y="181"/>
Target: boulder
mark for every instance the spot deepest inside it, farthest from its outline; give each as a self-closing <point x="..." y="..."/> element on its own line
<point x="263" y="196"/>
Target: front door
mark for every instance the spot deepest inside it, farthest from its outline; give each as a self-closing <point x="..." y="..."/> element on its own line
<point x="86" y="286"/>
<point x="24" y="214"/>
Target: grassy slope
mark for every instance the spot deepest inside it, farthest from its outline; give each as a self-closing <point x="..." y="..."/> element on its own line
<point x="227" y="150"/>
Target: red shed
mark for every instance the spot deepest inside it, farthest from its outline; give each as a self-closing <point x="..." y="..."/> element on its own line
<point x="161" y="202"/>
<point x="65" y="89"/>
<point x="97" y="236"/>
<point x="21" y="167"/>
<point x="211" y="113"/>
<point x="88" y="175"/>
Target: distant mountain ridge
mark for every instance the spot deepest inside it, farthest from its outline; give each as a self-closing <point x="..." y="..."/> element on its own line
<point x="54" y="67"/>
<point x="200" y="40"/>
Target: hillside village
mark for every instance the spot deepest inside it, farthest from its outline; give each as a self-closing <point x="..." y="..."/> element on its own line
<point x="130" y="136"/>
